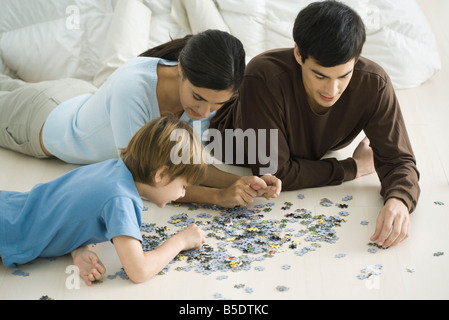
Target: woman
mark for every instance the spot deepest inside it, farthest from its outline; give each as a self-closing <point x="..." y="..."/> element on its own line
<point x="69" y="119"/>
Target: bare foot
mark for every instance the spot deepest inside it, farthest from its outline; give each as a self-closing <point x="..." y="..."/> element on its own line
<point x="363" y="157"/>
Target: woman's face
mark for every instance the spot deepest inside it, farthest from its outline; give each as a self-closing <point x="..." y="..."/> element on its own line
<point x="199" y="102"/>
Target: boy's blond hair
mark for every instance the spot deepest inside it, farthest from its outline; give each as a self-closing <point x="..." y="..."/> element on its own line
<point x="152" y="148"/>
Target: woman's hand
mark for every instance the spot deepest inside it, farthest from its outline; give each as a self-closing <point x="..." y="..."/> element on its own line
<point x="273" y="189"/>
<point x="245" y="189"/>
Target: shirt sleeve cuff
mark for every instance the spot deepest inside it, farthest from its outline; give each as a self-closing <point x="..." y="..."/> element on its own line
<point x="349" y="169"/>
<point x="411" y="205"/>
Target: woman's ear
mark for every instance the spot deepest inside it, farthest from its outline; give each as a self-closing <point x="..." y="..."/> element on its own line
<point x="180" y="70"/>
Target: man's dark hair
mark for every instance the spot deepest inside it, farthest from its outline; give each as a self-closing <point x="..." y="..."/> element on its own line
<point x="330" y="32"/>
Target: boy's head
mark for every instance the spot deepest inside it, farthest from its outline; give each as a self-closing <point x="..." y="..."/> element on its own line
<point x="151" y="151"/>
<point x="329" y="38"/>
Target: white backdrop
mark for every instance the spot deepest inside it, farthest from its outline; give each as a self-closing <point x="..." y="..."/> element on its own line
<point x="89" y="39"/>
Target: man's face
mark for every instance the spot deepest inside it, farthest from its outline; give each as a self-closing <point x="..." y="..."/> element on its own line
<point x="324" y="86"/>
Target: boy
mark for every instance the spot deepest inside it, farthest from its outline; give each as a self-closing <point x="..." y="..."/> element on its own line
<point x="320" y="95"/>
<point x="102" y="202"/>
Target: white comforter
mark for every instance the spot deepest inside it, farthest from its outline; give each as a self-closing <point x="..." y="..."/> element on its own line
<point x="89" y="39"/>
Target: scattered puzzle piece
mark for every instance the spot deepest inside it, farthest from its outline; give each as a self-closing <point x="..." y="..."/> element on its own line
<point x="122" y="274"/>
<point x="326" y="202"/>
<point x="370" y="272"/>
<point x="373" y="244"/>
<point x="282" y="288"/>
<point x="410" y="270"/>
<point x="20" y="273"/>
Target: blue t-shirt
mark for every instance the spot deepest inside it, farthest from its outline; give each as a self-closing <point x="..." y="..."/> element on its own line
<point x="93" y="127"/>
<point x="88" y="205"/>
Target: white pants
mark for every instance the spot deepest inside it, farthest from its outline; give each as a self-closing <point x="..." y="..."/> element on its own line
<point x="24" y="108"/>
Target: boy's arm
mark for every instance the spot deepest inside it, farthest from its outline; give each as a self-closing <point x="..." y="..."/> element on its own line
<point x="141" y="266"/>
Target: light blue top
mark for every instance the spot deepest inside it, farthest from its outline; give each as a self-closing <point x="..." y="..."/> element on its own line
<point x="91" y="204"/>
<point x="93" y="127"/>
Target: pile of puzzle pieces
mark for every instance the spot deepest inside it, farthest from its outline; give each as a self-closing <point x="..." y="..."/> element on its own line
<point x="241" y="236"/>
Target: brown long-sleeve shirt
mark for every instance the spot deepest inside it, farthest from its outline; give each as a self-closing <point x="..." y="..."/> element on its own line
<point x="273" y="97"/>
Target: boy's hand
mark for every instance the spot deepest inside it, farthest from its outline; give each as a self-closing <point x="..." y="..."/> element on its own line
<point x="89" y="265"/>
<point x="191" y="237"/>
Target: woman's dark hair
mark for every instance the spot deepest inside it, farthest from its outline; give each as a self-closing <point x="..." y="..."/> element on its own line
<point x="212" y="59"/>
<point x="330" y="32"/>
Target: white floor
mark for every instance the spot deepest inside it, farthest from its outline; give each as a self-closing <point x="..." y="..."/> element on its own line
<point x="315" y="275"/>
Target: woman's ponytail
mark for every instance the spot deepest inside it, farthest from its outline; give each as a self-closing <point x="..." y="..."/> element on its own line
<point x="212" y="59"/>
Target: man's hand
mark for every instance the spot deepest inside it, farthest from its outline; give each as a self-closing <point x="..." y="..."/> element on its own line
<point x="393" y="224"/>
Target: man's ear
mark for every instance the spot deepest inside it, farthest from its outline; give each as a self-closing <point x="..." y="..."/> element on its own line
<point x="297" y="55"/>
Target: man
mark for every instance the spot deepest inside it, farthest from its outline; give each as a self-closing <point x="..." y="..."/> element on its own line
<point x="319" y="96"/>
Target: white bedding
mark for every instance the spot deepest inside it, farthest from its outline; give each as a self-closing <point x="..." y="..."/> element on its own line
<point x="89" y="39"/>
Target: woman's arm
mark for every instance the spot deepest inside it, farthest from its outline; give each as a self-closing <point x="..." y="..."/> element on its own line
<point x="230" y="190"/>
